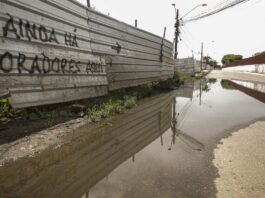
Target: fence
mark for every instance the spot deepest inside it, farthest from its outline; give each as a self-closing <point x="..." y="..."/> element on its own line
<point x="58" y="51"/>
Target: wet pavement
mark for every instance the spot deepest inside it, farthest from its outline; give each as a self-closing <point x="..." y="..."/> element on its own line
<point x="163" y="148"/>
<point x="180" y="169"/>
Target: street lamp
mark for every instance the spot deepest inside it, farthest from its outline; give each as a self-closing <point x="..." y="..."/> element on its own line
<point x="178" y="23"/>
<point x="174" y="5"/>
<point x="200" y="5"/>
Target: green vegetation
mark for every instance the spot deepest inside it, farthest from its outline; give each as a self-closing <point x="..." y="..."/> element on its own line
<point x="51" y="114"/>
<point x="182" y="78"/>
<point x="121" y="100"/>
<point x="4" y="107"/>
<point x="259" y="53"/>
<point x="209" y="61"/>
<point x="230" y="58"/>
<point x="110" y="107"/>
<point x="7" y="111"/>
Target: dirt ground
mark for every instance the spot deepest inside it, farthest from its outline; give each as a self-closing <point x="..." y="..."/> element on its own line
<point x="240" y="160"/>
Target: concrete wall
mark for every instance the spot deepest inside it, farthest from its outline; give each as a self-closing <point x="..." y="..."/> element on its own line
<point x="57" y="51"/>
<point x="190" y="66"/>
<point x="186" y="66"/>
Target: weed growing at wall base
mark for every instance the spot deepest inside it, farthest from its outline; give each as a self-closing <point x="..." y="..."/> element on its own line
<point x="95" y="109"/>
<point x="110" y="107"/>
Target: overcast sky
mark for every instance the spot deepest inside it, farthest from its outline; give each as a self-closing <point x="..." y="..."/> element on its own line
<point x="238" y="30"/>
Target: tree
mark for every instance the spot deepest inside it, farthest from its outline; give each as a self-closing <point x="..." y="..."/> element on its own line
<point x="259" y="53"/>
<point x="209" y="61"/>
<point x="230" y="58"/>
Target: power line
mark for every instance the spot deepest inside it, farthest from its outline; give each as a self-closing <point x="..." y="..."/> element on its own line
<point x="185" y="39"/>
<point x="186" y="44"/>
<point x="219" y="8"/>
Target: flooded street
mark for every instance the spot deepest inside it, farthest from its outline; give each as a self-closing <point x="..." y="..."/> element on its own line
<point x="175" y="165"/>
<point x="115" y="99"/>
<point x="162" y="148"/>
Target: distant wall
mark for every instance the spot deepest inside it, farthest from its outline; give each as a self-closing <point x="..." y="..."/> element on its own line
<point x="56" y="51"/>
<point x="186" y="65"/>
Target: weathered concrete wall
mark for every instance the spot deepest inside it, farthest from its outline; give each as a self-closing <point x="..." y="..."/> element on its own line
<point x="190" y="66"/>
<point x="57" y="51"/>
<point x="204" y="66"/>
<point x="186" y="65"/>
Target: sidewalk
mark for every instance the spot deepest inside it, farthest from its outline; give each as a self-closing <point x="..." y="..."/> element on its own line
<point x="240" y="160"/>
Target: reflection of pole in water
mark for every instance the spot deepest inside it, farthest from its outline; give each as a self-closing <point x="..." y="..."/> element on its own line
<point x="159" y="121"/>
<point x="200" y="92"/>
<point x="162" y="141"/>
<point x="188" y="140"/>
<point x="173" y="124"/>
<point x="133" y="158"/>
<point x="192" y="91"/>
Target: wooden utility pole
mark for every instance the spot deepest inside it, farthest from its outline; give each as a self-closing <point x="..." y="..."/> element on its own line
<point x="176" y="34"/>
<point x="201" y="55"/>
<point x="162" y="45"/>
<point x="88" y="3"/>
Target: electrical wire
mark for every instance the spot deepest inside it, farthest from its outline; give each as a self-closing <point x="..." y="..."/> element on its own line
<point x="219" y="8"/>
<point x="186" y="44"/>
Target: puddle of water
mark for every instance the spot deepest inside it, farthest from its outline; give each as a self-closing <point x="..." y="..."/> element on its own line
<point x="152" y="151"/>
<point x="176" y="168"/>
<point x="260" y="87"/>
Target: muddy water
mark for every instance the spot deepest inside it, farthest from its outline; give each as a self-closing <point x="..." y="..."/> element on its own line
<point x="163" y="148"/>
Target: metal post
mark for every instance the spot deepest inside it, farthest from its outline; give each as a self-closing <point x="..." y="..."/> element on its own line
<point x="136" y="23"/>
<point x="162" y="45"/>
<point x="88" y="3"/>
<point x="201" y="55"/>
<point x="177" y="34"/>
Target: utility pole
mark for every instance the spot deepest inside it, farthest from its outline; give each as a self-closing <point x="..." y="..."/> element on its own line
<point x="88" y="3"/>
<point x="201" y="55"/>
<point x="200" y="92"/>
<point x="177" y="34"/>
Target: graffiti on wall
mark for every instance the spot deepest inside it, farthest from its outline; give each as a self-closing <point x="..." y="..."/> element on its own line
<point x="42" y="64"/>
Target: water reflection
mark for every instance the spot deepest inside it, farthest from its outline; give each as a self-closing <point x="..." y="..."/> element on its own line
<point x="253" y="89"/>
<point x="259" y="87"/>
<point x="93" y="153"/>
<point x="160" y="149"/>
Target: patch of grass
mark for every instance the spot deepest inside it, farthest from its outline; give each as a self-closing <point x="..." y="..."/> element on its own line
<point x="130" y="102"/>
<point x="6" y="111"/>
<point x="183" y="77"/>
<point x="4" y="107"/>
<point x="110" y="107"/>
